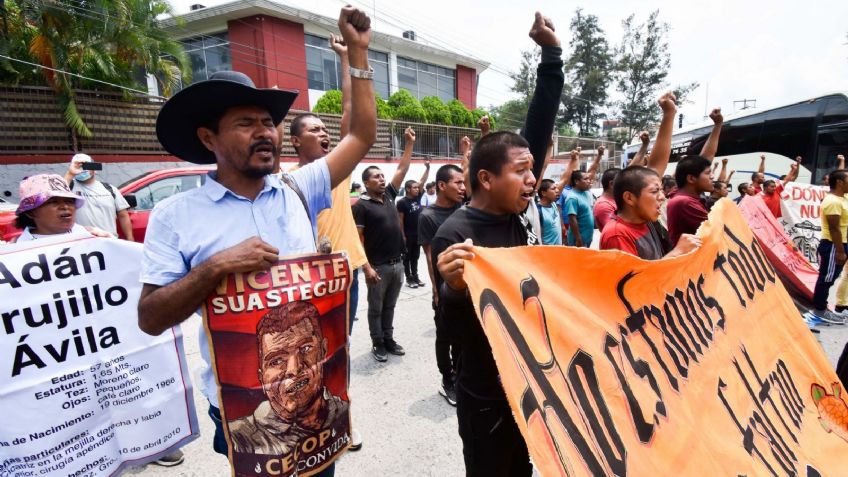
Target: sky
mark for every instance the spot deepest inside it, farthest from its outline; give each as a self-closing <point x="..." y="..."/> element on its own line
<point x="775" y="52"/>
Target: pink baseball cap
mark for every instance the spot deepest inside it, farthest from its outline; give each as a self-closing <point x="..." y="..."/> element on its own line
<point x="38" y="189"/>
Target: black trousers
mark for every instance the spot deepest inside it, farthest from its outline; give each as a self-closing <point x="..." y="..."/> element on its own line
<point x="410" y="260"/>
<point x="447" y="351"/>
<point x="492" y="445"/>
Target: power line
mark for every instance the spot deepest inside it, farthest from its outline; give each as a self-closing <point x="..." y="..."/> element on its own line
<point x="82" y="77"/>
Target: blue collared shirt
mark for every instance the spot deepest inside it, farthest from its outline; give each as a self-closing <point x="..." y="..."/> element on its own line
<point x="187" y="229"/>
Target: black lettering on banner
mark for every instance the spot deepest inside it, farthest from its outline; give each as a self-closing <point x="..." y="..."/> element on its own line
<point x="760" y="425"/>
<point x="636" y="322"/>
<point x="550" y="401"/>
<point x="747" y="432"/>
<point x="811" y="472"/>
<point x="749" y="265"/>
<point x="682" y="321"/>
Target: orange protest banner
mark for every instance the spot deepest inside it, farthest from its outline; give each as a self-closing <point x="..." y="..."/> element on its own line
<point x="795" y="271"/>
<point x="692" y="366"/>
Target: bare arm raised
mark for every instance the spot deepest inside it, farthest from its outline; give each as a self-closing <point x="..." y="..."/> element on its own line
<point x="641" y="157"/>
<point x="711" y="146"/>
<point x="661" y="153"/>
<point x="403" y="166"/>
<point x="338" y="45"/>
<point x="355" y="27"/>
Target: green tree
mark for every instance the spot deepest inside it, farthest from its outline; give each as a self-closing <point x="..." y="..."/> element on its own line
<point x="406" y="107"/>
<point x="104" y="40"/>
<point x="437" y="112"/>
<point x="330" y="103"/>
<point x="460" y="115"/>
<point x="642" y="66"/>
<point x="384" y="110"/>
<point x="511" y="114"/>
<point x="588" y="75"/>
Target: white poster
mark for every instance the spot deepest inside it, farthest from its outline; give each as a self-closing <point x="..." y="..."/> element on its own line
<point x="84" y="391"/>
<point x="801" y="207"/>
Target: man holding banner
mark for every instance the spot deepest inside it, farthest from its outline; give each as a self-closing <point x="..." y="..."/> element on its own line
<point x="502" y="172"/>
<point x="229" y="122"/>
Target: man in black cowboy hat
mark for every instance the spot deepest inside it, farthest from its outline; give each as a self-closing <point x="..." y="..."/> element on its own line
<point x="242" y="218"/>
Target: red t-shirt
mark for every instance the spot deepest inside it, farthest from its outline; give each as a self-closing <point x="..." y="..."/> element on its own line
<point x="773" y="201"/>
<point x="603" y="211"/>
<point x="685" y="214"/>
<point x="635" y="239"/>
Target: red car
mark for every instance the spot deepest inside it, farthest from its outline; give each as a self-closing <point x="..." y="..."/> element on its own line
<point x="142" y="193"/>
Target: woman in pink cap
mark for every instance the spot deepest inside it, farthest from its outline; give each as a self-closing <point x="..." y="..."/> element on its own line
<point x="48" y="207"/>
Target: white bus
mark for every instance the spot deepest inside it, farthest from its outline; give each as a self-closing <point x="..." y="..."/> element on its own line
<point x="815" y="129"/>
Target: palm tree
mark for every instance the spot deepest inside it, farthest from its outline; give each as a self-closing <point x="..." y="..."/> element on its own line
<point x="105" y="40"/>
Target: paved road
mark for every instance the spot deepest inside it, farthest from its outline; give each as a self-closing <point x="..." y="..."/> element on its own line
<point x="408" y="429"/>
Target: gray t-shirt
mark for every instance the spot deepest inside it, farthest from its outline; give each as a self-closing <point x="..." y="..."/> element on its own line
<point x="100" y="209"/>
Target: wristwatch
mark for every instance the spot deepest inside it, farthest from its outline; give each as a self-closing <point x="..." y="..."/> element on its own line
<point x="362" y="74"/>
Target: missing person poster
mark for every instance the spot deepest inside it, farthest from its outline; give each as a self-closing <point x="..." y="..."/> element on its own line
<point x="279" y="351"/>
<point x="83" y="390"/>
<point x="801" y="208"/>
<point x="692" y="366"/>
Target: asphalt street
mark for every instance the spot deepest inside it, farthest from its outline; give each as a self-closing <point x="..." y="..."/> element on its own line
<point x="408" y="429"/>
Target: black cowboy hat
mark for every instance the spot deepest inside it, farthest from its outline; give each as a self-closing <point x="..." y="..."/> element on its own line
<point x="807" y="225"/>
<point x="183" y="113"/>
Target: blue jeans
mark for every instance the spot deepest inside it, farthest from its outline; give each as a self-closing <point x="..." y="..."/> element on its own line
<point x="353" y="302"/>
<point x="219" y="442"/>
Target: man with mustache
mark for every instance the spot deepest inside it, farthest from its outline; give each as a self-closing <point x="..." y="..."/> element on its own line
<point x="292" y="351"/>
<point x="243" y="218"/>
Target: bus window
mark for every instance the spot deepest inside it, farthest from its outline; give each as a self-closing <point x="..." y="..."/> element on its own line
<point x="836" y="111"/>
<point x="832" y="142"/>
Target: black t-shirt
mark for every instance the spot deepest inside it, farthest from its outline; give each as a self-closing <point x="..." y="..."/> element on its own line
<point x="429" y="221"/>
<point x="410" y="208"/>
<point x="478" y="374"/>
<point x="383" y="240"/>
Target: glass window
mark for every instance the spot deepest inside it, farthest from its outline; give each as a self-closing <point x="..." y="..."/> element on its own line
<point x="151" y="194"/>
<point x="423" y="79"/>
<point x="323" y="68"/>
<point x="208" y="54"/>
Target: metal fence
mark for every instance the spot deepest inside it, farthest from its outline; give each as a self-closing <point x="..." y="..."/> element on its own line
<point x="31" y="123"/>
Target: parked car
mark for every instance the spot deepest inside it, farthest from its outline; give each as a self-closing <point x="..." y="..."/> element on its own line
<point x="142" y="193"/>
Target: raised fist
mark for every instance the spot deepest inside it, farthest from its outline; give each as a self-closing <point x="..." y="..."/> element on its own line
<point x="409" y="134"/>
<point x="484" y="125"/>
<point x="644" y="137"/>
<point x="337" y="44"/>
<point x="464" y="145"/>
<point x="716" y="116"/>
<point x="542" y="31"/>
<point x="668" y="102"/>
<point x="575" y="154"/>
<point x="601" y="149"/>
<point x="355" y="27"/>
<point x="724" y="162"/>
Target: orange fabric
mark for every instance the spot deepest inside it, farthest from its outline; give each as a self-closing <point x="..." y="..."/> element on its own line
<point x="692" y="366"/>
<point x="336" y="223"/>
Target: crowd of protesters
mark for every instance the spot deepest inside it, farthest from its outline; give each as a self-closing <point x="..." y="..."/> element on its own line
<point x="492" y="199"/>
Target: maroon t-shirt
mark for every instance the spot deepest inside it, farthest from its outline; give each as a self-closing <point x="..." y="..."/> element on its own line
<point x="685" y="214"/>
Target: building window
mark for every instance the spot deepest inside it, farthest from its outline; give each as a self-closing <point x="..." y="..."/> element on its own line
<point x="208" y="54"/>
<point x="323" y="68"/>
<point x="423" y="79"/>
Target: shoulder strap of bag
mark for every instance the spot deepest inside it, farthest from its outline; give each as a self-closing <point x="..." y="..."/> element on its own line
<point x="289" y="181"/>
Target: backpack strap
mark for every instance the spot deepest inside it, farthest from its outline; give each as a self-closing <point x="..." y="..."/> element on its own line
<point x="289" y="181"/>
